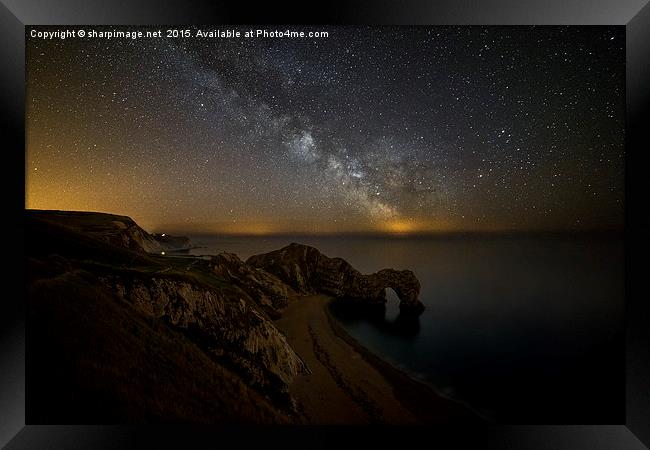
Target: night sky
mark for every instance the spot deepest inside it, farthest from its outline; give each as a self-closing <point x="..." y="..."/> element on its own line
<point x="418" y="129"/>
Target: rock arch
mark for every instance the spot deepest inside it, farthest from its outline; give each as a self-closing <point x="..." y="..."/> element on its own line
<point x="307" y="271"/>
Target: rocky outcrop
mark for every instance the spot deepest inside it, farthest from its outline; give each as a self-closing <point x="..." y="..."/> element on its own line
<point x="193" y="323"/>
<point x="119" y="231"/>
<point x="224" y="322"/>
<point x="267" y="290"/>
<point x="214" y="310"/>
<point x="95" y="358"/>
<point x="307" y="270"/>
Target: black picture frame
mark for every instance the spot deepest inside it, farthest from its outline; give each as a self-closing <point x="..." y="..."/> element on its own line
<point x="634" y="15"/>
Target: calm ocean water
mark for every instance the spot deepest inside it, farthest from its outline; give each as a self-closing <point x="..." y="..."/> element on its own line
<point x="521" y="329"/>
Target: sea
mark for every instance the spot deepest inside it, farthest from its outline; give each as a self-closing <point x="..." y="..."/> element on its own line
<point x="520" y="328"/>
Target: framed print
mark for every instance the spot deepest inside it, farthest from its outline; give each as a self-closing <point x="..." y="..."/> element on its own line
<point x="366" y="221"/>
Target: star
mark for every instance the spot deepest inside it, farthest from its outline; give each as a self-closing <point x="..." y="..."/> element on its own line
<point x="522" y="128"/>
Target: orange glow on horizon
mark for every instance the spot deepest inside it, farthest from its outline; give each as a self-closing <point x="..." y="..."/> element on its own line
<point x="413" y="226"/>
<point x="401" y="226"/>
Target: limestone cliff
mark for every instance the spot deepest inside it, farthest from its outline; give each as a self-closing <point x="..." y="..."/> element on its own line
<point x="307" y="270"/>
<point x="211" y="309"/>
<point x="113" y="229"/>
<point x="265" y="289"/>
<point x="94" y="358"/>
<point x="177" y="338"/>
<point x="224" y="322"/>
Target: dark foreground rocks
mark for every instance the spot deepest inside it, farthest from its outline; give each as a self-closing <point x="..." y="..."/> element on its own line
<point x="119" y="333"/>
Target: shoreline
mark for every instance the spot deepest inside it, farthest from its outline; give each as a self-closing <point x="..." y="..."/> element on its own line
<point x="417" y="396"/>
<point x="347" y="383"/>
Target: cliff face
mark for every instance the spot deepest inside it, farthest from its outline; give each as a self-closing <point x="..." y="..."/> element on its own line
<point x="120" y="332"/>
<point x="223" y="322"/>
<point x="187" y="305"/>
<point x="94" y="358"/>
<point x="267" y="290"/>
<point x="307" y="270"/>
<point x="112" y="229"/>
<point x="121" y="231"/>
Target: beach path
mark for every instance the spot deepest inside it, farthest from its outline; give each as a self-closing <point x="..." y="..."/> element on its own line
<point x="343" y="387"/>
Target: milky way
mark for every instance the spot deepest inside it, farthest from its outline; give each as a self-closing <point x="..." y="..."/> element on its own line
<point x="370" y="129"/>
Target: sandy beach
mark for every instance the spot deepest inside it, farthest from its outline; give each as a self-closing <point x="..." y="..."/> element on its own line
<point x="350" y="385"/>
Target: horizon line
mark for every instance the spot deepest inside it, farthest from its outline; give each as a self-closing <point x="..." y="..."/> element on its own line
<point x="369" y="233"/>
<point x="407" y="234"/>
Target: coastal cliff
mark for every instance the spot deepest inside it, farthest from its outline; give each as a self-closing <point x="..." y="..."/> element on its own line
<point x="120" y="231"/>
<point x="112" y="265"/>
<point x="125" y="333"/>
<point x="308" y="271"/>
<point x="267" y="290"/>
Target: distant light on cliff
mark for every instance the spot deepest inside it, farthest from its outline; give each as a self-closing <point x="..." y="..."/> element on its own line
<point x="162" y="253"/>
<point x="163" y="235"/>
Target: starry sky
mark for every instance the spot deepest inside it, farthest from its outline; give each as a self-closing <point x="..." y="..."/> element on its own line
<point x="396" y="130"/>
